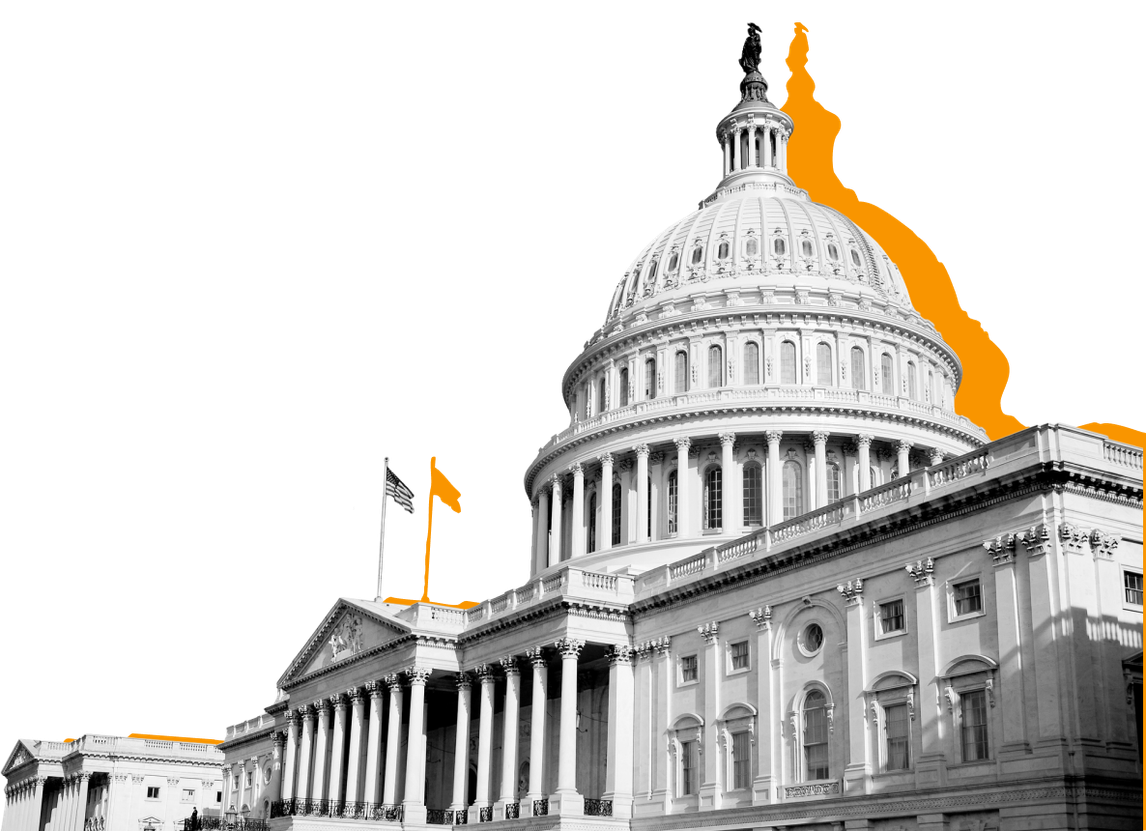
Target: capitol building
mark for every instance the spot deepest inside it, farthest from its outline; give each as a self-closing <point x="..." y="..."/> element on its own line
<point x="776" y="581"/>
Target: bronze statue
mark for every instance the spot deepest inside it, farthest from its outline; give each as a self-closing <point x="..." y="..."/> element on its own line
<point x="750" y="54"/>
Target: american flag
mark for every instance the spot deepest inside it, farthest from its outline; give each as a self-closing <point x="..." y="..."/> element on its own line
<point x="396" y="488"/>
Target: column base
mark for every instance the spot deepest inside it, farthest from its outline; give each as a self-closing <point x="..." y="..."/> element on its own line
<point x="473" y="814"/>
<point x="709" y="798"/>
<point x="622" y="804"/>
<point x="762" y="791"/>
<point x="857" y="780"/>
<point x="568" y="803"/>
<point x="413" y="813"/>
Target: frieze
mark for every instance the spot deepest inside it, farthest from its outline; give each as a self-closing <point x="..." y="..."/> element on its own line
<point x="811" y="790"/>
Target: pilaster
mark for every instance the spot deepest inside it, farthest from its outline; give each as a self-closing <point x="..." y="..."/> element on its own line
<point x="857" y="773"/>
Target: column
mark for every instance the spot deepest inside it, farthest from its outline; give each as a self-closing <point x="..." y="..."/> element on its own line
<point x="767" y="763"/>
<point x="337" y="743"/>
<point x="1008" y="615"/>
<point x="275" y="786"/>
<point x="775" y="479"/>
<point x="577" y="514"/>
<point x="543" y="528"/>
<point x="820" y="440"/>
<point x="534" y="542"/>
<point x="509" y="734"/>
<point x="724" y="142"/>
<point x="766" y="147"/>
<point x="863" y="441"/>
<point x="782" y="151"/>
<point x="619" y="750"/>
<point x="656" y="495"/>
<point x="537" y="727"/>
<point x="461" y="742"/>
<point x="605" y="497"/>
<point x="937" y="456"/>
<point x="413" y="806"/>
<point x="642" y="451"/>
<point x="711" y="757"/>
<point x="393" y="741"/>
<point x="555" y="533"/>
<point x="682" y="503"/>
<point x="354" y="755"/>
<point x="728" y="514"/>
<point x="484" y="674"/>
<point x="931" y="760"/>
<point x="857" y="774"/>
<point x="288" y="789"/>
<point x="304" y="790"/>
<point x="752" y="162"/>
<point x="904" y="461"/>
<point x="376" y="690"/>
<point x="566" y="800"/>
<point x="321" y="744"/>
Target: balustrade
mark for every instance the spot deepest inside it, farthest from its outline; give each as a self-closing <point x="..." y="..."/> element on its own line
<point x="298" y="807"/>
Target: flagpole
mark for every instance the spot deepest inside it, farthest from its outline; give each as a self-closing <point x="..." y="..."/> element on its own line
<point x="429" y="529"/>
<point x="382" y="535"/>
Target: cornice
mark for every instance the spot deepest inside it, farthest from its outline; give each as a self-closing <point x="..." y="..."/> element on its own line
<point x="248" y="738"/>
<point x="557" y="607"/>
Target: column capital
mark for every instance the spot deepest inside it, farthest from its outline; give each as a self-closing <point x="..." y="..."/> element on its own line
<point x="279" y="738"/>
<point x="463" y="681"/>
<point x="620" y="654"/>
<point x="682" y="444"/>
<point x="774" y="436"/>
<point x="937" y="456"/>
<point x="394" y="681"/>
<point x="656" y="457"/>
<point x="484" y="673"/>
<point x="920" y="571"/>
<point x="762" y="617"/>
<point x="864" y="439"/>
<point x="337" y="702"/>
<point x="569" y="647"/>
<point x="292" y="717"/>
<point x="536" y="656"/>
<point x="727" y="439"/>
<point x="172" y="781"/>
<point x="355" y="695"/>
<point x="417" y="675"/>
<point x="641" y="450"/>
<point x="321" y="706"/>
<point x="605" y="458"/>
<point x="709" y="631"/>
<point x="509" y="665"/>
<point x="375" y="688"/>
<point x="308" y="713"/>
<point x="555" y="484"/>
<point x="576" y="469"/>
<point x="1001" y="549"/>
<point x="852" y="591"/>
<point x="820" y="437"/>
<point x="903" y="446"/>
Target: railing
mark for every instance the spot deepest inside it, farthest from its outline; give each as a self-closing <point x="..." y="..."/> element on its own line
<point x="807" y="523"/>
<point x="94" y="824"/>
<point x="438" y="816"/>
<point x="499" y="604"/>
<point x="512" y="810"/>
<point x="220" y="824"/>
<point x="1122" y="454"/>
<point x="594" y="580"/>
<point x="553" y="583"/>
<point x="894" y="491"/>
<point x="373" y="811"/>
<point x="957" y="469"/>
<point x="684" y="568"/>
<point x="448" y="615"/>
<point x="541" y="807"/>
<point x="485" y="814"/>
<point x="598" y="807"/>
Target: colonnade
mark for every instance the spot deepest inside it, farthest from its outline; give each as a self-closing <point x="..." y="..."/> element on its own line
<point x="674" y="514"/>
<point x="739" y="143"/>
<point x="317" y="732"/>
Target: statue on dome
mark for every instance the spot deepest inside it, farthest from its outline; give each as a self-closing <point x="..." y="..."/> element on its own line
<point x="750" y="54"/>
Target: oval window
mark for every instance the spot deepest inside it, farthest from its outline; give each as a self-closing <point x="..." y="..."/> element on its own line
<point x="813" y="638"/>
<point x="780" y="247"/>
<point x="673" y="261"/>
<point x="855" y="258"/>
<point x="833" y="252"/>
<point x="751" y="247"/>
<point x="697" y="255"/>
<point x="652" y="271"/>
<point x="806" y="247"/>
<point x="722" y="251"/>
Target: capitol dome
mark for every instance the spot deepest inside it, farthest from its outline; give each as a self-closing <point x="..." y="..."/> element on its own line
<point x="760" y="361"/>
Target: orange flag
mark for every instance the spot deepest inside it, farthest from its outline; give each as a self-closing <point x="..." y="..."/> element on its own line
<point x="440" y="487"/>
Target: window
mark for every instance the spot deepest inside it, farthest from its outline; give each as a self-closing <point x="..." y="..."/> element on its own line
<point x="897" y="726"/>
<point x="681" y="379"/>
<point x="833" y="252"/>
<point x="672" y="503"/>
<point x="887" y="375"/>
<point x="625" y="387"/>
<point x="649" y="508"/>
<point x="806" y="247"/>
<point x="753" y="481"/>
<point x="891" y="617"/>
<point x="859" y="372"/>
<point x="792" y="490"/>
<point x="968" y="598"/>
<point x="912" y="387"/>
<point x="712" y="499"/>
<point x="751" y="247"/>
<point x="779" y="246"/>
<point x="689" y="768"/>
<point x="218" y="796"/>
<point x="715" y="367"/>
<point x="813" y="638"/>
<point x="824" y="375"/>
<point x="931" y="387"/>
<point x="697" y="254"/>
<point x="592" y="522"/>
<point x="650" y="379"/>
<point x="188" y="795"/>
<point x="722" y="250"/>
<point x="674" y="261"/>
<point x="153" y="792"/>
<point x="601" y="397"/>
<point x="973" y="731"/>
<point x="738" y="655"/>
<point x="751" y="363"/>
<point x="741" y="761"/>
<point x="1132" y="583"/>
<point x="688" y="669"/>
<point x="616" y="529"/>
<point x="815" y="736"/>
<point x="787" y="362"/>
<point x="833" y="471"/>
<point x="855" y="258"/>
<point x="652" y="272"/>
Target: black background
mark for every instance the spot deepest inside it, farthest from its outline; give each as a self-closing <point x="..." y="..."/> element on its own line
<point x="392" y="236"/>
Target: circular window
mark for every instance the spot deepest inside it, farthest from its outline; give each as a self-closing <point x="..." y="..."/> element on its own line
<point x="811" y="639"/>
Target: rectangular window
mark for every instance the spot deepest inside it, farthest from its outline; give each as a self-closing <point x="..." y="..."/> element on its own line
<point x="816" y="743"/>
<point x="897" y="725"/>
<point x="753" y="495"/>
<point x="249" y="775"/>
<point x="688" y="669"/>
<point x="739" y="652"/>
<point x="1132" y="582"/>
<point x="188" y="794"/>
<point x="787" y="362"/>
<point x="152" y="792"/>
<point x="689" y="768"/>
<point x="741" y="761"/>
<point x="891" y="617"/>
<point x="681" y="373"/>
<point x="672" y="502"/>
<point x="973" y="708"/>
<point x="218" y="796"/>
<point x="968" y="599"/>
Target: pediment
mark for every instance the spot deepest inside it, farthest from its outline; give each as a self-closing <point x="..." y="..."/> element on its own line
<point x="348" y="630"/>
<point x="21" y="754"/>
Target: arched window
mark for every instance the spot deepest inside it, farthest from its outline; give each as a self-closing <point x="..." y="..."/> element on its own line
<point x="649" y="507"/>
<point x="624" y="382"/>
<point x="772" y="143"/>
<point x="751" y="247"/>
<point x="588" y="400"/>
<point x="834" y="494"/>
<point x="650" y="379"/>
<point x="635" y="280"/>
<point x="616" y="529"/>
<point x="592" y="522"/>
<point x="859" y="372"/>
<point x="681" y="380"/>
<point x="697" y="254"/>
<point x="873" y="472"/>
<point x="815" y="736"/>
<point x="806" y="247"/>
<point x="824" y="375"/>
<point x="672" y="502"/>
<point x="833" y="252"/>
<point x="751" y="363"/>
<point x="715" y="367"/>
<point x="912" y="388"/>
<point x="722" y="250"/>
<point x="779" y="246"/>
<point x="602" y="398"/>
<point x="674" y="261"/>
<point x="753" y="495"/>
<point x="652" y="272"/>
<point x="787" y="362"/>
<point x="712" y="499"/>
<point x="855" y="258"/>
<point x="759" y="138"/>
<point x="931" y="387"/>
<point x="793" y="490"/>
<point x="886" y="375"/>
